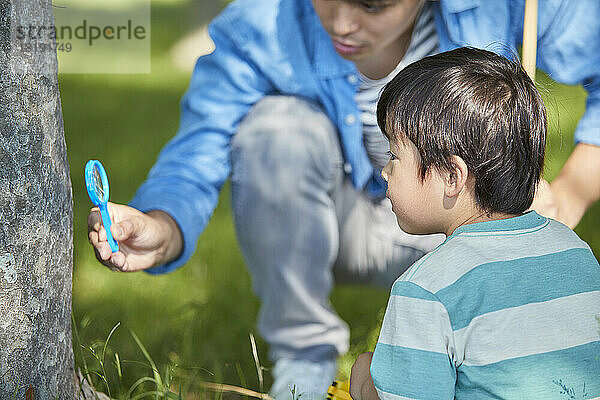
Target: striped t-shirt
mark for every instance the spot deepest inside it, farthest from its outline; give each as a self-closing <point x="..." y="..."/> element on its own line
<point x="506" y="309"/>
<point x="424" y="42"/>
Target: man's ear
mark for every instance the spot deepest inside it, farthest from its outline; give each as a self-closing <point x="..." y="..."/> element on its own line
<point x="456" y="180"/>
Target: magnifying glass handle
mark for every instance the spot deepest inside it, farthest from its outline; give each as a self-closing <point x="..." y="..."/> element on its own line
<point x="107" y="223"/>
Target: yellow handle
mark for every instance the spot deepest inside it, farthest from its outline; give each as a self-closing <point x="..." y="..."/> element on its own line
<point x="530" y="37"/>
<point x="339" y="391"/>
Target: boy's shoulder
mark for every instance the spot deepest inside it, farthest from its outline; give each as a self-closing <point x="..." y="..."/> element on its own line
<point x="502" y="247"/>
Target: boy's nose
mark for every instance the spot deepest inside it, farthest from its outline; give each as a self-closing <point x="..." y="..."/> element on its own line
<point x="344" y="19"/>
<point x="384" y="172"/>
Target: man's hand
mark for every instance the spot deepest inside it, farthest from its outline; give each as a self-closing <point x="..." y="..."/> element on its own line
<point x="145" y="239"/>
<point x="574" y="190"/>
<point x="361" y="383"/>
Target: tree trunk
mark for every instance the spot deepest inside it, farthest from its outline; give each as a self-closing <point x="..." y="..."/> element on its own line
<point x="36" y="212"/>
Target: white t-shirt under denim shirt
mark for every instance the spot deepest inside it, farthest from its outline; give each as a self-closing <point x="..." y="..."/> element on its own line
<point x="424" y="42"/>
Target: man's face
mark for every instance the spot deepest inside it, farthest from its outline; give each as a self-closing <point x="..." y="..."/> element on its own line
<point x="416" y="204"/>
<point x="364" y="29"/>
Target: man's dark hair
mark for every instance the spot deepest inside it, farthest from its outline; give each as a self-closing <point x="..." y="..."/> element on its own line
<point x="476" y="105"/>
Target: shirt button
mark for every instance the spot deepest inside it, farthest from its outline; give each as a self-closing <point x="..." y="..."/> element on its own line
<point x="352" y="79"/>
<point x="347" y="168"/>
<point x="350" y="119"/>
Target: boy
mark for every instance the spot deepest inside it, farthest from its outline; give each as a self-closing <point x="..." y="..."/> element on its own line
<point x="507" y="307"/>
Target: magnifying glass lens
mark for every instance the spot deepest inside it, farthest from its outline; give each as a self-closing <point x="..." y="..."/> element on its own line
<point x="98" y="184"/>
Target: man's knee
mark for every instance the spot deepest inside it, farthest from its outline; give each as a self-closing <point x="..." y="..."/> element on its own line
<point x="283" y="130"/>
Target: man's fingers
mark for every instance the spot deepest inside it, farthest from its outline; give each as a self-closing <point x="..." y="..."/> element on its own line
<point x="101" y="247"/>
<point x="117" y="232"/>
<point x="119" y="260"/>
<point x="104" y="250"/>
<point x="123" y="230"/>
<point x="94" y="240"/>
<point x="102" y="234"/>
<point x="94" y="219"/>
<point x="98" y="240"/>
<point x="107" y="258"/>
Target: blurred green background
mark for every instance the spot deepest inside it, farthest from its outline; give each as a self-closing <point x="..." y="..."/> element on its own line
<point x="200" y="316"/>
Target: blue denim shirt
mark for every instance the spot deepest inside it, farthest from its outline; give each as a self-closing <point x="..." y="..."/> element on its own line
<point x="279" y="46"/>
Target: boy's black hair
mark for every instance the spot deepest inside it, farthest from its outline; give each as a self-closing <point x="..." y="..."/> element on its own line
<point x="476" y="105"/>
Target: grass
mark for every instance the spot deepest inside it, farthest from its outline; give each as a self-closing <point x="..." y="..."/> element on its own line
<point x="146" y="386"/>
<point x="197" y="318"/>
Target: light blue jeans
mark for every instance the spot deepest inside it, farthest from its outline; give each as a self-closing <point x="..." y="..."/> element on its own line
<point x="302" y="226"/>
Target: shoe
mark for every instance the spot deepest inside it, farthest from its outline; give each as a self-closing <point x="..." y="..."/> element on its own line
<point x="301" y="379"/>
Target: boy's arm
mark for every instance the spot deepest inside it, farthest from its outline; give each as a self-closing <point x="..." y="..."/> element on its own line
<point x="361" y="383"/>
<point x="414" y="357"/>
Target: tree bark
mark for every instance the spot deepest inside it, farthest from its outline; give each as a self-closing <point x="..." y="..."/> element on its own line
<point x="36" y="212"/>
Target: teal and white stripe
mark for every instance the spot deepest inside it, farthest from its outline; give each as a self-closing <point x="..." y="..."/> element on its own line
<point x="477" y="248"/>
<point x="503" y="309"/>
<point x="414" y="330"/>
<point x="559" y="324"/>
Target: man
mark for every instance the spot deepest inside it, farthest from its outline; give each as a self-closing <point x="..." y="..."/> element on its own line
<point x="286" y="106"/>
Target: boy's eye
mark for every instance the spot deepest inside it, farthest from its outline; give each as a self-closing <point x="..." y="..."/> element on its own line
<point x="371" y="7"/>
<point x="392" y="156"/>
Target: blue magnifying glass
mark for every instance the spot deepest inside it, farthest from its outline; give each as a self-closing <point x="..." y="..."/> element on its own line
<point x="96" y="182"/>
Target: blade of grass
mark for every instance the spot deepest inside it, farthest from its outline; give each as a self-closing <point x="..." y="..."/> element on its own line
<point x="158" y="380"/>
<point x="173" y="395"/>
<point x="108" y="338"/>
<point x="259" y="369"/>
<point x="167" y="376"/>
<point x="85" y="366"/>
<point x="224" y="388"/>
<point x="101" y="359"/>
<point x="145" y="364"/>
<point x="17" y="388"/>
<point x="156" y="393"/>
<point x="102" y="375"/>
<point x="119" y="370"/>
<point x="137" y="383"/>
<point x="169" y="395"/>
<point x="147" y="355"/>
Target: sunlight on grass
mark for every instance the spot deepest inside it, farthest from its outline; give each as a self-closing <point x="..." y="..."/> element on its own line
<point x="199" y="317"/>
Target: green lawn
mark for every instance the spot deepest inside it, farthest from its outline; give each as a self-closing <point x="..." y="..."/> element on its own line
<point x="200" y="316"/>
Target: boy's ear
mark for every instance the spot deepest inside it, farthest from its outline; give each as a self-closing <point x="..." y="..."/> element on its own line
<point x="456" y="180"/>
